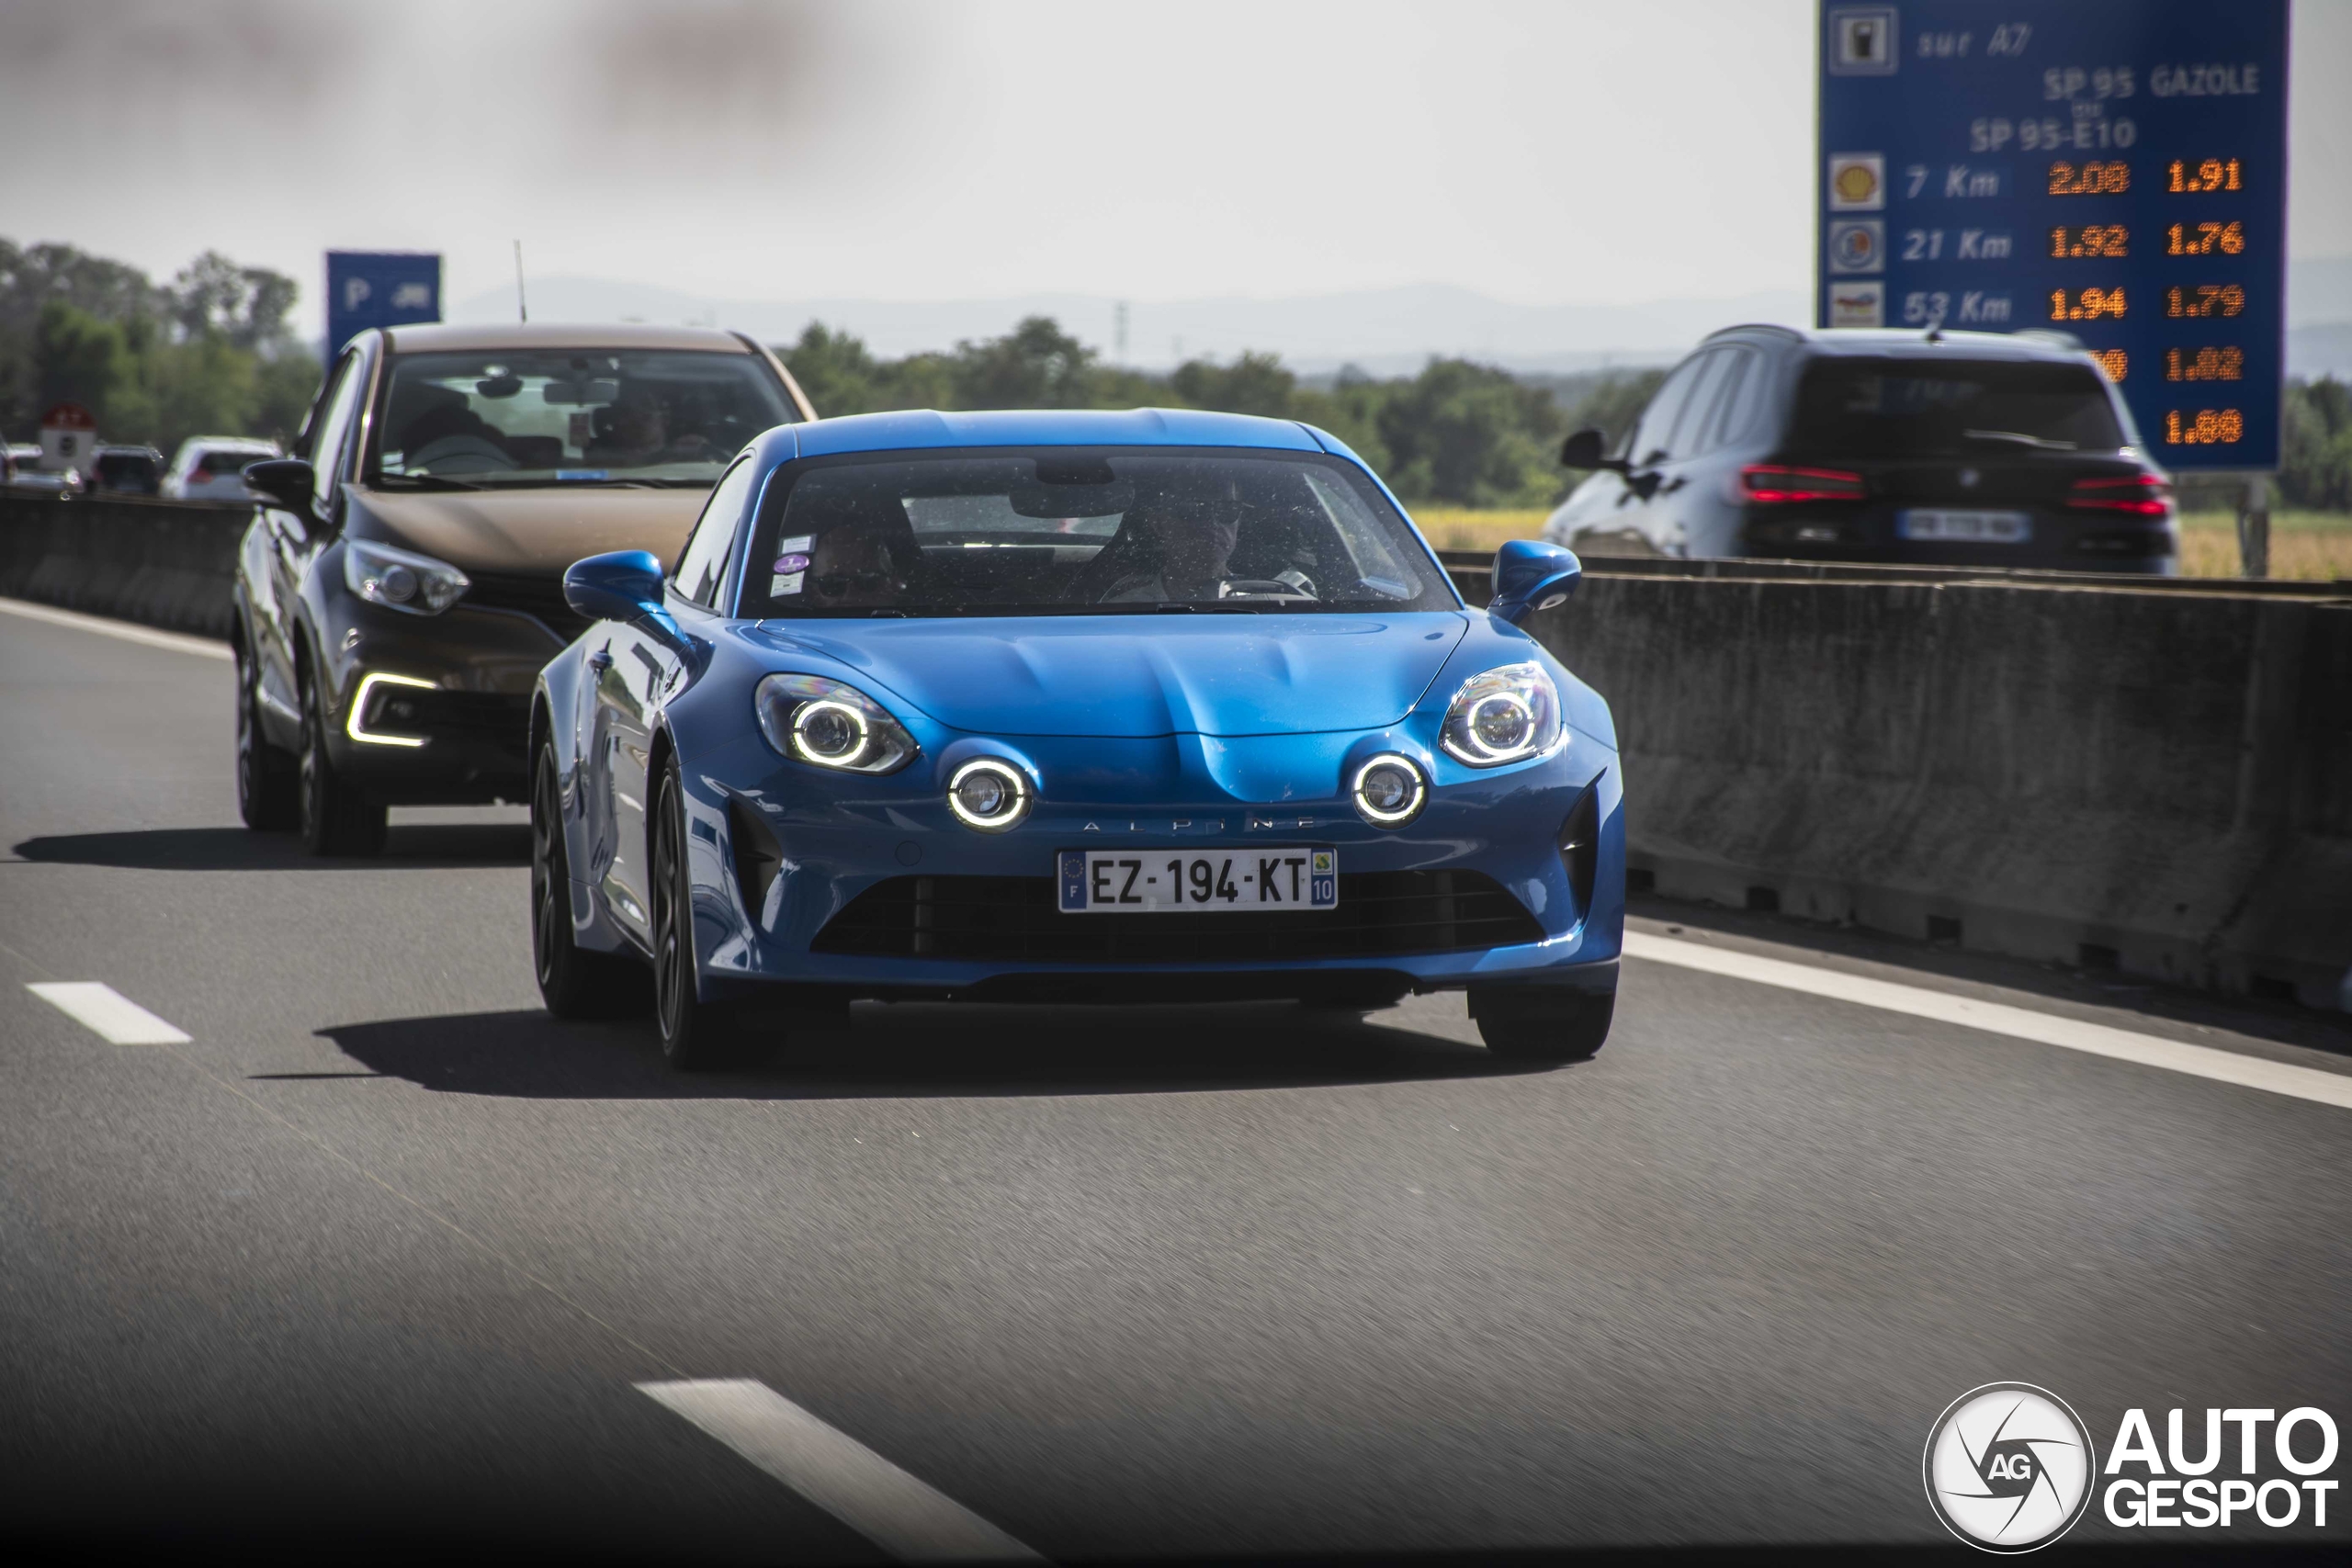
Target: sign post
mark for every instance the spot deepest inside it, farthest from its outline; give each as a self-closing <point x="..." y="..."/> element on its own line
<point x="2116" y="172"/>
<point x="378" y="288"/>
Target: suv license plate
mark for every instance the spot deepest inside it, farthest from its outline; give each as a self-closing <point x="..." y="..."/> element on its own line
<point x="1968" y="527"/>
<point x="1133" y="881"/>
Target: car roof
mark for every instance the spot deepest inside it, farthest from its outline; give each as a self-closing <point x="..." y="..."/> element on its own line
<point x="1883" y="344"/>
<point x="252" y="443"/>
<point x="921" y="428"/>
<point x="439" y="337"/>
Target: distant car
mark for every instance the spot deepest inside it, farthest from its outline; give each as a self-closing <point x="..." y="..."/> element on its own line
<point x="211" y="467"/>
<point x="1136" y="707"/>
<point x="1945" y="449"/>
<point x="402" y="584"/>
<point x="127" y="470"/>
<point x="20" y="472"/>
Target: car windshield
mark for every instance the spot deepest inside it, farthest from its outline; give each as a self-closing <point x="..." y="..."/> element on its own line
<point x="1903" y="408"/>
<point x="570" y="416"/>
<point x="1074" y="530"/>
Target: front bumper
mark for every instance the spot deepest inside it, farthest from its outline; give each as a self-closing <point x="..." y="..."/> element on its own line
<point x="785" y="857"/>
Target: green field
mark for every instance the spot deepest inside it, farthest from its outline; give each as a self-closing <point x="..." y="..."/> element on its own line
<point x="2310" y="546"/>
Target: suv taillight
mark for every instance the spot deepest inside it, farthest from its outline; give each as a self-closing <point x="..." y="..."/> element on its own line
<point x="1774" y="485"/>
<point x="2143" y="496"/>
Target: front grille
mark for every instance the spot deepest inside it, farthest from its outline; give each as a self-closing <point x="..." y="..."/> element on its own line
<point x="1014" y="919"/>
<point x="491" y="718"/>
<point x="533" y="596"/>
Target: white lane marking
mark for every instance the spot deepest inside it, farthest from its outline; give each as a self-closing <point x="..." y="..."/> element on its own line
<point x="107" y="1011"/>
<point x="904" y="1517"/>
<point x="177" y="641"/>
<point x="1997" y="1018"/>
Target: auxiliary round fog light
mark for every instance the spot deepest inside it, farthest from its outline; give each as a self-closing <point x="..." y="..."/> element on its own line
<point x="1389" y="790"/>
<point x="989" y="795"/>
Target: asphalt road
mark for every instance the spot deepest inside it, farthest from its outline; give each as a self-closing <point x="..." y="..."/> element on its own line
<point x="380" y="1253"/>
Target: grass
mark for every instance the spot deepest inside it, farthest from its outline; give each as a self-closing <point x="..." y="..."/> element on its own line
<point x="2306" y="545"/>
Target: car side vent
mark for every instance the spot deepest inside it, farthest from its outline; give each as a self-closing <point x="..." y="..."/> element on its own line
<point x="759" y="857"/>
<point x="1580" y="845"/>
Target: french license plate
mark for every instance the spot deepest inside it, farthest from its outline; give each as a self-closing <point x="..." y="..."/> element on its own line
<point x="1130" y="882"/>
<point x="1967" y="527"/>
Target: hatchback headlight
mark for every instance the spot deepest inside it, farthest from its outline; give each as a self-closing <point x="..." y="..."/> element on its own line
<point x="401" y="580"/>
<point x="811" y="719"/>
<point x="1505" y="715"/>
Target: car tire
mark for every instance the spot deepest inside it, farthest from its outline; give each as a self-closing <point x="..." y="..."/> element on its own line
<point x="574" y="982"/>
<point x="337" y="818"/>
<point x="1524" y="1024"/>
<point x="267" y="776"/>
<point x="696" y="1035"/>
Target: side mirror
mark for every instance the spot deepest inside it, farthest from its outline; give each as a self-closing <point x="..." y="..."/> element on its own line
<point x="288" y="482"/>
<point x="624" y="585"/>
<point x="1589" y="448"/>
<point x="1530" y="576"/>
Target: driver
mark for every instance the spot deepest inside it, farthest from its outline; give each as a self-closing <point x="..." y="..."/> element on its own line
<point x="853" y="565"/>
<point x="641" y="434"/>
<point x="1183" y="548"/>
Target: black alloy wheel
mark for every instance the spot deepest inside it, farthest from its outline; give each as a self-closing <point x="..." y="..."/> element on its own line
<point x="1525" y="1024"/>
<point x="266" y="778"/>
<point x="695" y="1035"/>
<point x="573" y="981"/>
<point x="338" y="817"/>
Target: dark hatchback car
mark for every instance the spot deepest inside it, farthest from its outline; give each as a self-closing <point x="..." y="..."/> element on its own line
<point x="127" y="471"/>
<point x="1945" y="449"/>
<point x="402" y="585"/>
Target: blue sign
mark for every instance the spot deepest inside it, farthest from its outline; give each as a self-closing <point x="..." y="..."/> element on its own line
<point x="2114" y="171"/>
<point x="378" y="288"/>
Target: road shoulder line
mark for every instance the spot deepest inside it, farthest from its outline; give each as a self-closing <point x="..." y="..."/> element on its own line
<point x="902" y="1515"/>
<point x="107" y="1013"/>
<point x="177" y="642"/>
<point x="1999" y="1018"/>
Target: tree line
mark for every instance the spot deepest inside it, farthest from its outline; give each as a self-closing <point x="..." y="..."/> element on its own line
<point x="1460" y="432"/>
<point x="206" y="354"/>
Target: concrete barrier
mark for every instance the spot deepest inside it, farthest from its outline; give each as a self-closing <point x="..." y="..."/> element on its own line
<point x="2153" y="777"/>
<point x="161" y="562"/>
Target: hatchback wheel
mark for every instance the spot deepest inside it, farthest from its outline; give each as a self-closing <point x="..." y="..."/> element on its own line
<point x="267" y="776"/>
<point x="338" y="817"/>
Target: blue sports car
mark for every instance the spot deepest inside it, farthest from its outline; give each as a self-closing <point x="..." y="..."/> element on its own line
<point x="1148" y="706"/>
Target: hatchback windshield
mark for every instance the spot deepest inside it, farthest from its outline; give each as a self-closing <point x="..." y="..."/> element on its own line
<point x="1079" y="531"/>
<point x="1897" y="408"/>
<point x="580" y="416"/>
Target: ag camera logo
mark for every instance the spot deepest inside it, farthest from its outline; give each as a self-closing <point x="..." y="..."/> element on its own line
<point x="2009" y="1467"/>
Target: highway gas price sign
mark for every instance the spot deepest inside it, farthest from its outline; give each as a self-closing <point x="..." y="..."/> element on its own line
<point x="2114" y="171"/>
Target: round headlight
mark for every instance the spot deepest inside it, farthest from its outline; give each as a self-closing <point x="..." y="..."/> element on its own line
<point x="1389" y="791"/>
<point x="825" y="731"/>
<point x="1504" y="715"/>
<point x="989" y="795"/>
<point x="399" y="583"/>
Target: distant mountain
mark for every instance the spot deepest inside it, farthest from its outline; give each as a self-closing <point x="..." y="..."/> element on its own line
<point x="1383" y="331"/>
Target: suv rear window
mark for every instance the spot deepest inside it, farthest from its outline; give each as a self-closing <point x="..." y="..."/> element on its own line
<point x="1899" y="407"/>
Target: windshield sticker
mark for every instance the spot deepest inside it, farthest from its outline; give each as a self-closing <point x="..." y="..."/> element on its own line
<point x="797" y="545"/>
<point x="792" y="563"/>
<point x="787" y="582"/>
<point x="583" y="473"/>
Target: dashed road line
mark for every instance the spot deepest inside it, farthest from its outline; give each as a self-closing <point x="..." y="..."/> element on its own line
<point x="106" y="1011"/>
<point x="177" y="642"/>
<point x="905" y="1516"/>
<point x="1999" y="1018"/>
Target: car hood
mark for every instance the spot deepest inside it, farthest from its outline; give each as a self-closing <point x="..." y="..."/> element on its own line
<point x="1141" y="676"/>
<point x="531" y="530"/>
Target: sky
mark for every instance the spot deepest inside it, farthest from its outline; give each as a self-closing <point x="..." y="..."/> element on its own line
<point x="1579" y="152"/>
